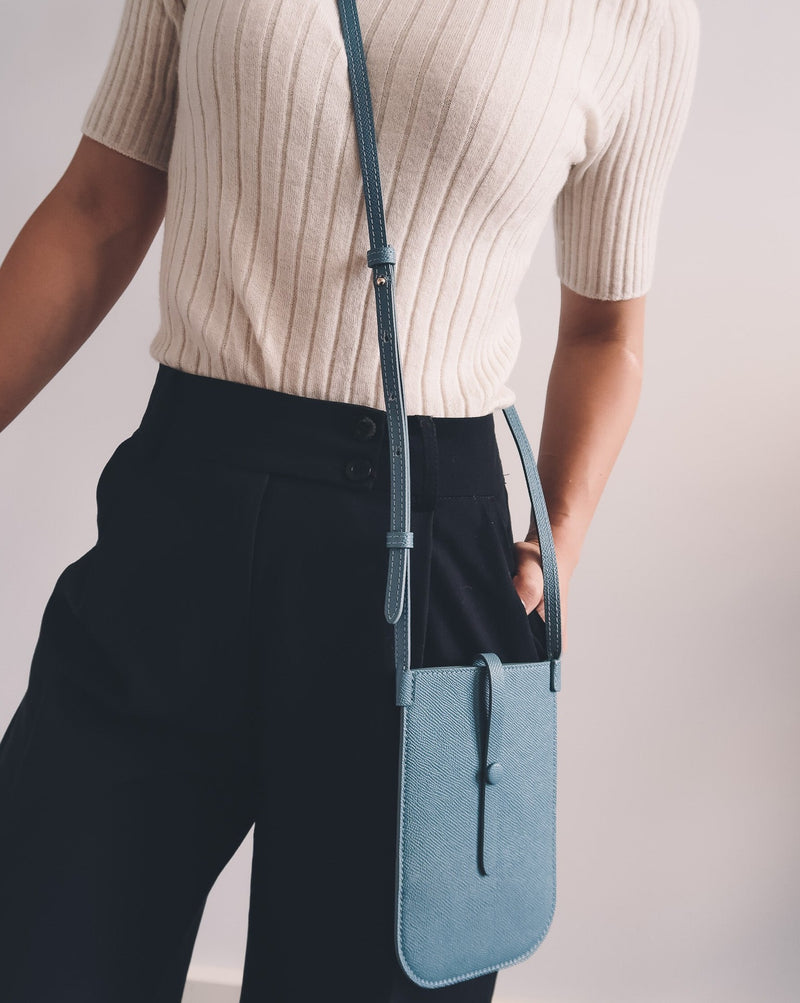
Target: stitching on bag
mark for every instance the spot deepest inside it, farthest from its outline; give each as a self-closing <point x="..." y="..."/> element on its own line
<point x="402" y="828"/>
<point x="434" y="670"/>
<point x="540" y="938"/>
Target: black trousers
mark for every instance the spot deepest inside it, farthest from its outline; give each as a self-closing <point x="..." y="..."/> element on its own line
<point x="220" y="659"/>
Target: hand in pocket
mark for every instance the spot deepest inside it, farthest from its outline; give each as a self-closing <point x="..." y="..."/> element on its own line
<point x="529" y="583"/>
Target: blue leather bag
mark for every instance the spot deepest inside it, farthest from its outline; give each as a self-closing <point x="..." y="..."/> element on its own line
<point x="476" y="830"/>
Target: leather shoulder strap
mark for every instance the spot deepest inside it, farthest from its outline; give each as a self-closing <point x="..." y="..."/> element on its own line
<point x="381" y="258"/>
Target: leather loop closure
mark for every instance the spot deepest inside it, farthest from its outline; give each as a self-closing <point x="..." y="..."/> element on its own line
<point x="492" y="767"/>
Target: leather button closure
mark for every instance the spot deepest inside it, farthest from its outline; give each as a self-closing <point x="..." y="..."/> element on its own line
<point x="365" y="427"/>
<point x="358" y="469"/>
<point x="494" y="772"/>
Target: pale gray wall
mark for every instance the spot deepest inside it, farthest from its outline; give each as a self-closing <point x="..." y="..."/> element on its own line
<point x="678" y="718"/>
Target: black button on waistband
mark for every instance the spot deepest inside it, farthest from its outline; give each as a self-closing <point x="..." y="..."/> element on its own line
<point x="358" y="469"/>
<point x="365" y="427"/>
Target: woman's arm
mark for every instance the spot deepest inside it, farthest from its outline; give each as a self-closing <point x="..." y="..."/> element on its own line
<point x="70" y="263"/>
<point x="592" y="395"/>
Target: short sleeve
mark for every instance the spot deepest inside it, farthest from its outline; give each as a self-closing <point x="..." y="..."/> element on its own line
<point x="133" y="107"/>
<point x="605" y="218"/>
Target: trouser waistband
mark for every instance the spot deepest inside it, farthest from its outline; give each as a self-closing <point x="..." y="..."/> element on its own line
<point x="333" y="441"/>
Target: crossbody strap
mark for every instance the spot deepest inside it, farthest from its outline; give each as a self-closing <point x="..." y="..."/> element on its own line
<point x="381" y="258"/>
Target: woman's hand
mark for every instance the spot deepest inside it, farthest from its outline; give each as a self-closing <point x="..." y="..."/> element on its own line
<point x="529" y="581"/>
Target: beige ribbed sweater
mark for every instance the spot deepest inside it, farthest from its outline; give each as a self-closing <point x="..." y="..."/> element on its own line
<point x="490" y="115"/>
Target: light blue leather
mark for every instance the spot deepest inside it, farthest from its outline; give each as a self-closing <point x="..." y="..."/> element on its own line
<point x="454" y="918"/>
<point x="476" y="837"/>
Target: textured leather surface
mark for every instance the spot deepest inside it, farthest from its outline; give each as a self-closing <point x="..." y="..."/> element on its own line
<point x="476" y="868"/>
<point x="454" y="922"/>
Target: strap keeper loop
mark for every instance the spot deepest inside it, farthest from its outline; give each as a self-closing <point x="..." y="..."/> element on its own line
<point x="397" y="538"/>
<point x="383" y="255"/>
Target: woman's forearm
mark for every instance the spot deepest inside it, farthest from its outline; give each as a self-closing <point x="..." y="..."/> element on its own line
<point x="63" y="273"/>
<point x="592" y="394"/>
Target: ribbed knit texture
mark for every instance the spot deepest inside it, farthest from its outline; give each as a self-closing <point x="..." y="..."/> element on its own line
<point x="490" y="115"/>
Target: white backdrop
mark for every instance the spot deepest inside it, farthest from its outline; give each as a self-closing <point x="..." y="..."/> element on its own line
<point x="678" y="718"/>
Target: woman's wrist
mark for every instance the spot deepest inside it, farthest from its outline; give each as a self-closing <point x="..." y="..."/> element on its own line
<point x="567" y="540"/>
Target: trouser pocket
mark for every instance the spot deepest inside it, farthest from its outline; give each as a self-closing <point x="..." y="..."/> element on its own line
<point x="472" y="603"/>
<point x="111" y="482"/>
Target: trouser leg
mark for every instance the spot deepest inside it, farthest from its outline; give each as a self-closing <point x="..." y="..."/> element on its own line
<point x="111" y="835"/>
<point x="125" y="782"/>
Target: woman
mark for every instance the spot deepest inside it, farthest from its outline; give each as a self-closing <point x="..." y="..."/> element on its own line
<point x="191" y="674"/>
